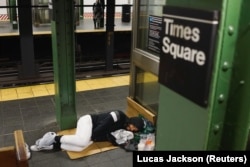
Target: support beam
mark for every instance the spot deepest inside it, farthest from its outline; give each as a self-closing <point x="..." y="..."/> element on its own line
<point x="63" y="42"/>
<point x="237" y="119"/>
<point x="28" y="68"/>
<point x="13" y="14"/>
<point x="81" y="10"/>
<point x="110" y="34"/>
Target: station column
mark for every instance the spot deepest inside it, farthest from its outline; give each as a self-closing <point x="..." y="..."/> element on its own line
<point x="110" y="34"/>
<point x="28" y="67"/>
<point x="13" y="14"/>
<point x="63" y="42"/>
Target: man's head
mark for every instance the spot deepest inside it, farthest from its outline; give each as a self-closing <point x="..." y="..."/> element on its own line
<point x="135" y="124"/>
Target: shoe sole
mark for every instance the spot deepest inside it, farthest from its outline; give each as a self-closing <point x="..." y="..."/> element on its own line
<point x="35" y="148"/>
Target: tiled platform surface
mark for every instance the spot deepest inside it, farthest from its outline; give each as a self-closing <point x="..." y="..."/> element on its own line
<point x="4" y="17"/>
<point x="35" y="115"/>
<point x="85" y="26"/>
<point x="48" y="89"/>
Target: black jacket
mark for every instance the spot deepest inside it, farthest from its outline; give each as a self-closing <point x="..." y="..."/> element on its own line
<point x="97" y="10"/>
<point x="103" y="125"/>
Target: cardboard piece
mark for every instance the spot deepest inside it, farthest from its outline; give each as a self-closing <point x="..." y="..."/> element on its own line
<point x="96" y="147"/>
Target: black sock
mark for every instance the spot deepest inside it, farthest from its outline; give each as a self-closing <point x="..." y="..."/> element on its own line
<point x="57" y="144"/>
<point x="58" y="138"/>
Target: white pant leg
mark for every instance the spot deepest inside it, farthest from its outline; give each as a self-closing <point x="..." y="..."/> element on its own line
<point x="82" y="137"/>
<point x="70" y="147"/>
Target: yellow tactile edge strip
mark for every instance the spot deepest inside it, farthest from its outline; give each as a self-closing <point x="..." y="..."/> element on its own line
<point x="15" y="93"/>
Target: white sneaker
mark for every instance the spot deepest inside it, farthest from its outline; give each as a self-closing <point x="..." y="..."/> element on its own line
<point x="28" y="154"/>
<point x="44" y="143"/>
<point x="37" y="148"/>
<point x="47" y="139"/>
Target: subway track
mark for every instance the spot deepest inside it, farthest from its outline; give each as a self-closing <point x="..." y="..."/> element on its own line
<point x="9" y="76"/>
<point x="89" y="58"/>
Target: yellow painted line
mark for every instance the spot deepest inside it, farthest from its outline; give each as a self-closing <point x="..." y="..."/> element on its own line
<point x="7" y="94"/>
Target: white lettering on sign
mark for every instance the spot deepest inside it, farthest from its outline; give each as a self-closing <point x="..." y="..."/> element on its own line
<point x="183" y="52"/>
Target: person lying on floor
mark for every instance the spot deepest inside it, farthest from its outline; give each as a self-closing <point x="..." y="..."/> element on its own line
<point x="90" y="128"/>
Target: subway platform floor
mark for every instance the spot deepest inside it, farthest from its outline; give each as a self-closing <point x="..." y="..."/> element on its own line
<point x="35" y="115"/>
<point x="85" y="26"/>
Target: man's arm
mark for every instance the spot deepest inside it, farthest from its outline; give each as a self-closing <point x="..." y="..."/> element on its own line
<point x="103" y="126"/>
